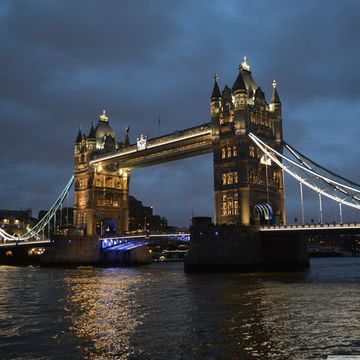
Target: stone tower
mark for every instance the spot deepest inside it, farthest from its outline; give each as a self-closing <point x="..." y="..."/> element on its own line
<point x="249" y="189"/>
<point x="101" y="193"/>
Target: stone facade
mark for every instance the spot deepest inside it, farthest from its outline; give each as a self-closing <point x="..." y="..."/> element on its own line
<point x="101" y="192"/>
<point x="248" y="188"/>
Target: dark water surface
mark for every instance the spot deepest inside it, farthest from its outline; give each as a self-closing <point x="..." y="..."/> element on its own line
<point x="158" y="312"/>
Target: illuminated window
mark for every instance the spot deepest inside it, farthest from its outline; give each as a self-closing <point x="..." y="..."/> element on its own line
<point x="230" y="178"/>
<point x="230" y="205"/>
<point x="235" y="177"/>
<point x="225" y="209"/>
<point x="234" y="150"/>
<point x="224" y="205"/>
<point x="224" y="179"/>
<point x="109" y="182"/>
<point x="251" y="151"/>
<point x="229" y="151"/>
<point x="236" y="207"/>
<point x="236" y="204"/>
<point x="223" y="153"/>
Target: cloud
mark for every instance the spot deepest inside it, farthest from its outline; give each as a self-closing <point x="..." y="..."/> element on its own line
<point x="62" y="63"/>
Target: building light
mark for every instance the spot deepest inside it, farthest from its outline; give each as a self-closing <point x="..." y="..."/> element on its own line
<point x="265" y="160"/>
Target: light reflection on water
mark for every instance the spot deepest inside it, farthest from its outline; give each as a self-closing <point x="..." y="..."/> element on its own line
<point x="158" y="312"/>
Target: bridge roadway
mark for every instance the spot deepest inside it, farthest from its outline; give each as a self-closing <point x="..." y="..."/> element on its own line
<point x="311" y="229"/>
<point x="270" y="230"/>
<point x="177" y="145"/>
<point x="133" y="241"/>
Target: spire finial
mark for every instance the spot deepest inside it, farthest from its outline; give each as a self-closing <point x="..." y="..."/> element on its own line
<point x="216" y="77"/>
<point x="103" y="117"/>
<point x="244" y="65"/>
<point x="274" y="84"/>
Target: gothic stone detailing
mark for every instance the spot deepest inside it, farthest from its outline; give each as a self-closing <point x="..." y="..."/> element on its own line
<point x="101" y="192"/>
<point x="242" y="180"/>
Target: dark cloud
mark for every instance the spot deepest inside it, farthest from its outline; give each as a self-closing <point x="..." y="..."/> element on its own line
<point x="61" y="63"/>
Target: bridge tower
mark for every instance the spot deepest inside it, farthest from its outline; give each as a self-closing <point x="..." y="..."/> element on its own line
<point x="101" y="193"/>
<point x="249" y="189"/>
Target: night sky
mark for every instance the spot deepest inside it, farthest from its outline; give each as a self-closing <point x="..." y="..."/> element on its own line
<point x="63" y="62"/>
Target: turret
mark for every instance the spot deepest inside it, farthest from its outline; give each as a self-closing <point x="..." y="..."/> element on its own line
<point x="239" y="89"/>
<point x="78" y="142"/>
<point x="215" y="101"/>
<point x="275" y="104"/>
<point x="91" y="139"/>
<point x="226" y="98"/>
<point x="126" y="137"/>
<point x="79" y="137"/>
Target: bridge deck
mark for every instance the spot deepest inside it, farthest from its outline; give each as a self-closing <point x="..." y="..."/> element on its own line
<point x="178" y="145"/>
<point x="351" y="228"/>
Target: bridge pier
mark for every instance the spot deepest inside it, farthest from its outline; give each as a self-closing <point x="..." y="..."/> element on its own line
<point x="232" y="248"/>
<point x="87" y="251"/>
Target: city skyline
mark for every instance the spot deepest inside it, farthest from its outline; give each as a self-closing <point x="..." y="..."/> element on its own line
<point x="51" y="84"/>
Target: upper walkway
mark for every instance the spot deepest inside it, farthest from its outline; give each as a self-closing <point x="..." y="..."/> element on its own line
<point x="177" y="145"/>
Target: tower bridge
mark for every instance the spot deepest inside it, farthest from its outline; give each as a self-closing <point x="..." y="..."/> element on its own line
<point x="242" y="184"/>
<point x="249" y="160"/>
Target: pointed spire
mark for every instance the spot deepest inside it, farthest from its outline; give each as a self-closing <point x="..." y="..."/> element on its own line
<point x="79" y="137"/>
<point x="92" y="134"/>
<point x="239" y="84"/>
<point x="275" y="99"/>
<point x="226" y="94"/>
<point x="216" y="91"/>
<point x="126" y="137"/>
<point x="259" y="93"/>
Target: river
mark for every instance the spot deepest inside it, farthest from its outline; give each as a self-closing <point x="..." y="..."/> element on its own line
<point x="158" y="312"/>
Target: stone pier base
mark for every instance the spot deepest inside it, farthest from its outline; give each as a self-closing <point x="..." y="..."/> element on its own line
<point x="242" y="249"/>
<point x="85" y="251"/>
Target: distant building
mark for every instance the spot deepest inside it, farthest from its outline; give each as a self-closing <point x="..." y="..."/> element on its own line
<point x="64" y="219"/>
<point x="16" y="222"/>
<point x="142" y="217"/>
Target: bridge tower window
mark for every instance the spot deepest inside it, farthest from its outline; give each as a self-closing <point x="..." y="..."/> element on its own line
<point x="252" y="151"/>
<point x="230" y="204"/>
<point x="234" y="150"/>
<point x="224" y="206"/>
<point x="223" y="153"/>
<point x="229" y="153"/>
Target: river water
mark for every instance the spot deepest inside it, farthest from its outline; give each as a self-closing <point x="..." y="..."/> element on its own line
<point x="158" y="312"/>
